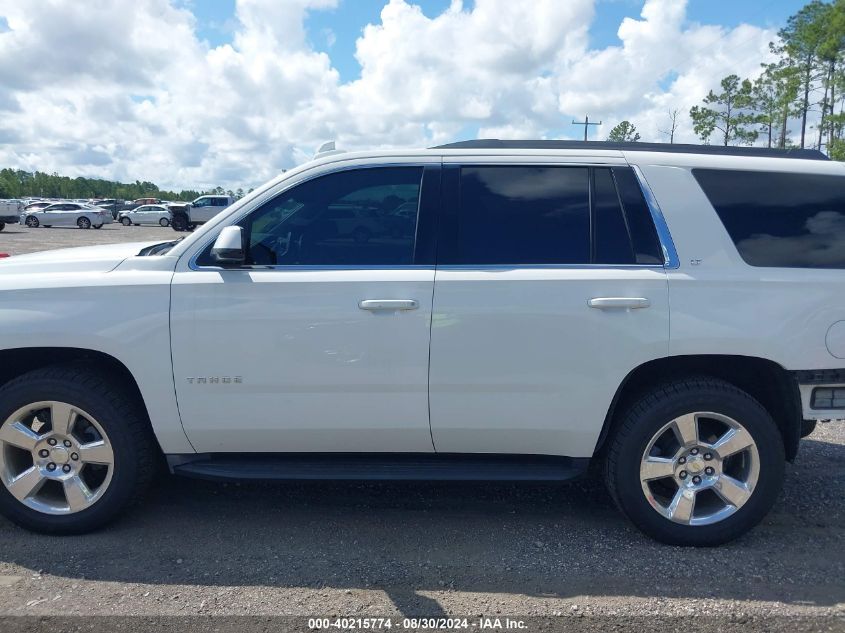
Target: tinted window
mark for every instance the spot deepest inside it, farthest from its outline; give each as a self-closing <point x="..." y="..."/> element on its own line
<point x="523" y="215"/>
<point x="612" y="242"/>
<point x="355" y="217"/>
<point x="646" y="244"/>
<point x="780" y="219"/>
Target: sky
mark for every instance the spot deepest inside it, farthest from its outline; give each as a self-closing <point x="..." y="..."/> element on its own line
<point x="193" y="94"/>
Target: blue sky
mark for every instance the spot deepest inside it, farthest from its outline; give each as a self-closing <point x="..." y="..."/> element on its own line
<point x="156" y="104"/>
<point x="335" y="30"/>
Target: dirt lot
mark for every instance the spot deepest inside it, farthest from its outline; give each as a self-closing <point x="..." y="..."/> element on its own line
<point x="17" y="240"/>
<point x="427" y="549"/>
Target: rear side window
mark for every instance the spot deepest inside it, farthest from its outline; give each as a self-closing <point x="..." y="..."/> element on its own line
<point x="524" y="215"/>
<point x="535" y="215"/>
<point x="779" y="219"/>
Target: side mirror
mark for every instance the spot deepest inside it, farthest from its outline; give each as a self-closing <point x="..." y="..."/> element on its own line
<point x="228" y="249"/>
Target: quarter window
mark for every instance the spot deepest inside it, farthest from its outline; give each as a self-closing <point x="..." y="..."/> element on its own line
<point x="780" y="219"/>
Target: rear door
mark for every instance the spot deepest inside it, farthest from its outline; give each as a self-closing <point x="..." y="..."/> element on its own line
<point x="549" y="291"/>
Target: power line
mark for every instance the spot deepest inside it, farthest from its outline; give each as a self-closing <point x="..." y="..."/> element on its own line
<point x="586" y="123"/>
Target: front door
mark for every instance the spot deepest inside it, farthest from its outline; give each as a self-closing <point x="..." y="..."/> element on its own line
<point x="547" y="295"/>
<point x="320" y="342"/>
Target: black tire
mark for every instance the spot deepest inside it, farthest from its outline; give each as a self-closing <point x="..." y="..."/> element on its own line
<point x="191" y="226"/>
<point x="31" y="221"/>
<point x="164" y="222"/>
<point x="83" y="223"/>
<point x="125" y="221"/>
<point x="179" y="222"/>
<point x="2" y="225"/>
<point x="98" y="226"/>
<point x="807" y="427"/>
<point x="658" y="407"/>
<point x="124" y="422"/>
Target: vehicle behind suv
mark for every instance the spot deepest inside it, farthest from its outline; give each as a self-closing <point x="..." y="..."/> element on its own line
<point x="671" y="315"/>
<point x="186" y="217"/>
<point x="10" y="211"/>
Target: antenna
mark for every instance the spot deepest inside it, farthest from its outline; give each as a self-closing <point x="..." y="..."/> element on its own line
<point x="327" y="149"/>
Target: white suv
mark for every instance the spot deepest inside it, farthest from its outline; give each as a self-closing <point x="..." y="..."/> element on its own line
<point x="672" y="314"/>
<point x="188" y="216"/>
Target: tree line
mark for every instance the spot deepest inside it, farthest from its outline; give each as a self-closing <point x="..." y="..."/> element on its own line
<point x="806" y="82"/>
<point x="16" y="183"/>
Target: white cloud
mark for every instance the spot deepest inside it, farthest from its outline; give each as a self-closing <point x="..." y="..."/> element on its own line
<point x="126" y="88"/>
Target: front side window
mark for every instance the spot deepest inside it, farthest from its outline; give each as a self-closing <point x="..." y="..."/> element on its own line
<point x="780" y="219"/>
<point x="350" y="218"/>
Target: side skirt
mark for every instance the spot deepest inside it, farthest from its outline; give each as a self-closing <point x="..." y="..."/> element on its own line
<point x="377" y="466"/>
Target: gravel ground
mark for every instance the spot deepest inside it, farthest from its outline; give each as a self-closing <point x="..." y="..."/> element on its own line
<point x="17" y="240"/>
<point x="199" y="548"/>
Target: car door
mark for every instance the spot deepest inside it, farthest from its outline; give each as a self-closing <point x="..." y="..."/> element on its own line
<point x="549" y="291"/>
<point x="61" y="215"/>
<point x="319" y="342"/>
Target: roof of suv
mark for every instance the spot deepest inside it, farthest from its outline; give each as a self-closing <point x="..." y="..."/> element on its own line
<point x="718" y="150"/>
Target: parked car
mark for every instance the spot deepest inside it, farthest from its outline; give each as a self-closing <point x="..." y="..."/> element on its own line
<point x="673" y="314"/>
<point x="67" y="214"/>
<point x="112" y="205"/>
<point x="187" y="216"/>
<point x="10" y="211"/>
<point x="37" y="206"/>
<point x="146" y="214"/>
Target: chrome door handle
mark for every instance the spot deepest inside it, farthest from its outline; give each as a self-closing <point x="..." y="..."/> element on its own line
<point x="388" y="304"/>
<point x="619" y="303"/>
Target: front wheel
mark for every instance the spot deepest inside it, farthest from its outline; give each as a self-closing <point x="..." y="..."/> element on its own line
<point x="75" y="449"/>
<point x="31" y="221"/>
<point x="83" y="223"/>
<point x="695" y="462"/>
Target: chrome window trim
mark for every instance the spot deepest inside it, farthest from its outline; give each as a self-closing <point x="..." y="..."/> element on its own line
<point x="507" y="267"/>
<point x="192" y="263"/>
<point x="670" y="254"/>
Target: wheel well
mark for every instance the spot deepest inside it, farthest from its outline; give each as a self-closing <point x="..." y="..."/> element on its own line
<point x="16" y="362"/>
<point x="769" y="383"/>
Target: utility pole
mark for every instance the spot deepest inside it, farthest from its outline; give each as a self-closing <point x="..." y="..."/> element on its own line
<point x="586" y="123"/>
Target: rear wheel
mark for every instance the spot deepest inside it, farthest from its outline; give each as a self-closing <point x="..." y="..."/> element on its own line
<point x="31" y="221"/>
<point x="695" y="462"/>
<point x="98" y="226"/>
<point x="83" y="223"/>
<point x="179" y="222"/>
<point x="164" y="222"/>
<point x="75" y="449"/>
<point x="125" y="221"/>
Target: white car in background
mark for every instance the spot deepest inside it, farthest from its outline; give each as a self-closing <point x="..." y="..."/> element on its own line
<point x="146" y="214"/>
<point x="67" y="214"/>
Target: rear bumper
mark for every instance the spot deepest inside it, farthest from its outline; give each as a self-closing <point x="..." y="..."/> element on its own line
<point x="814" y="385"/>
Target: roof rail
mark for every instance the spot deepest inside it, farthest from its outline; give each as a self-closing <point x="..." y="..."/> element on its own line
<point x="718" y="150"/>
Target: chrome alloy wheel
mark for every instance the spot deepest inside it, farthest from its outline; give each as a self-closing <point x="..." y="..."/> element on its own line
<point x="55" y="458"/>
<point x="700" y="468"/>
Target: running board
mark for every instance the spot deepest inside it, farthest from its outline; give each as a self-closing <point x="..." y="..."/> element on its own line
<point x="378" y="466"/>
